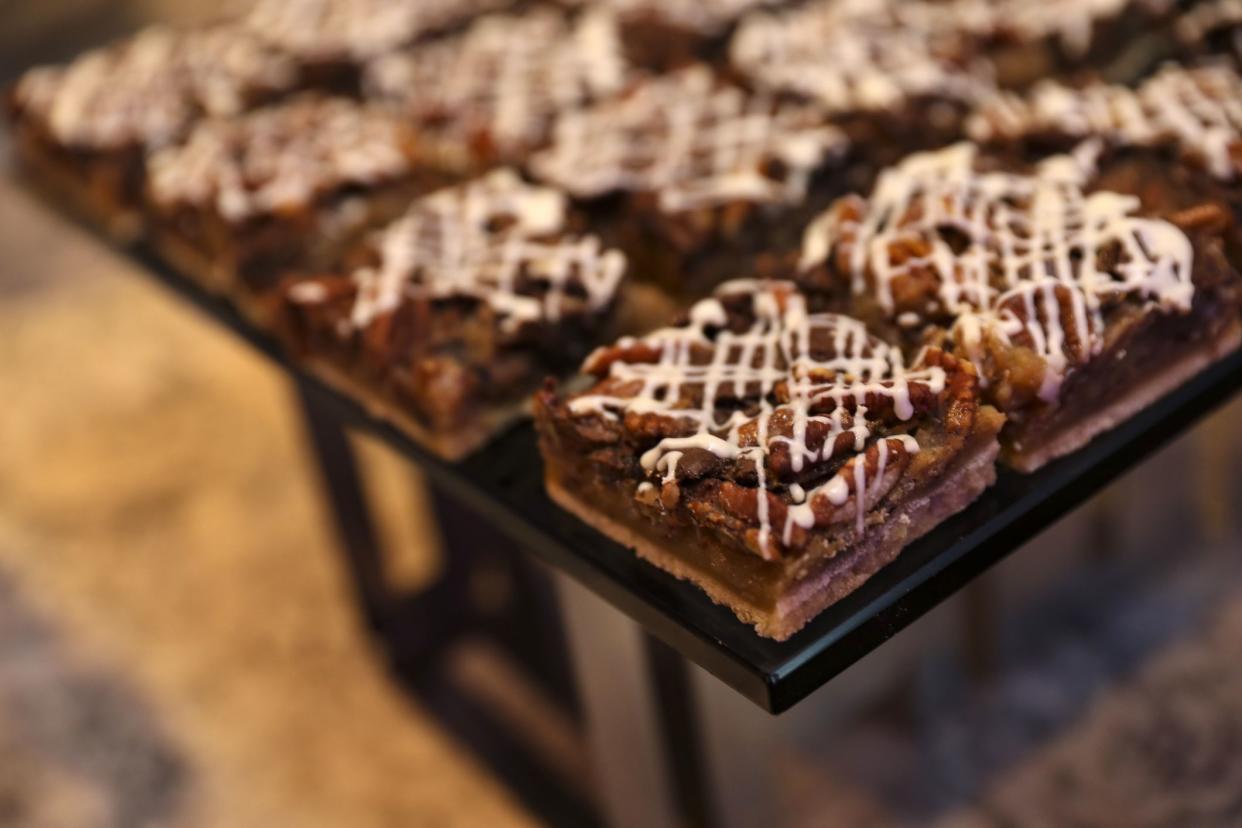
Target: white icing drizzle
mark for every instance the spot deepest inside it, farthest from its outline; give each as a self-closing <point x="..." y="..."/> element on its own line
<point x="356" y="29"/>
<point x="1030" y="247"/>
<point x="505" y="78"/>
<point x="148" y="89"/>
<point x="282" y="157"/>
<point x="858" y="55"/>
<point x="1198" y="109"/>
<point x="701" y="362"/>
<point x="693" y="141"/>
<point x="497" y="240"/>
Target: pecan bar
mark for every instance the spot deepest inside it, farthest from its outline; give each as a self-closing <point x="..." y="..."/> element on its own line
<point x="449" y="318"/>
<point x="243" y="199"/>
<point x="84" y="129"/>
<point x="493" y="91"/>
<point x="692" y="176"/>
<point x="775" y="457"/>
<point x="1084" y="288"/>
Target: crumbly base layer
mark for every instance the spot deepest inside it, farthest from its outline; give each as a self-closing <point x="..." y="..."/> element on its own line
<point x="824" y="582"/>
<point x="1074" y="435"/>
<point x="470" y="436"/>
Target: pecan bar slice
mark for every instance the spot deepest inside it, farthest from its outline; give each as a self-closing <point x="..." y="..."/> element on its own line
<point x="449" y="318"/>
<point x="244" y="199"/>
<point x="1083" y="288"/>
<point x="775" y="457"/>
<point x="694" y="177"/>
<point x="493" y="91"/>
<point x="84" y="129"/>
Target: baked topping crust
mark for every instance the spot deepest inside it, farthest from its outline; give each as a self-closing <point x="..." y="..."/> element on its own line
<point x="1023" y="263"/>
<point x="282" y="159"/>
<point x="693" y="142"/>
<point x="1197" y="110"/>
<point x="147" y="91"/>
<point x="757" y="417"/>
<point x="498" y="86"/>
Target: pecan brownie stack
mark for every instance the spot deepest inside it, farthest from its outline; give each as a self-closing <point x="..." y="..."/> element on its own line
<point x="84" y="129"/>
<point x="493" y="91"/>
<point x="1079" y="302"/>
<point x="449" y="318"/>
<point x="287" y="186"/>
<point x="692" y="176"/>
<point x="775" y="457"/>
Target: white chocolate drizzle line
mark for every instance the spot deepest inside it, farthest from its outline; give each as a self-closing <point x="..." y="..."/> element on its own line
<point x="505" y="78"/>
<point x="858" y="55"/>
<point x="496" y="240"/>
<point x="148" y="89"/>
<point x="280" y="158"/>
<point x="328" y="30"/>
<point x="1199" y="110"/>
<point x="775" y="349"/>
<point x="692" y="141"/>
<point x="1030" y="246"/>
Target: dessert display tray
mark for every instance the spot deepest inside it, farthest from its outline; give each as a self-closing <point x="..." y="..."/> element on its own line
<point x="503" y="484"/>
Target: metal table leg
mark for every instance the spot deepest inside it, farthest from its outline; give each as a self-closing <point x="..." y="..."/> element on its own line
<point x="485" y="590"/>
<point x="619" y="709"/>
<point x="670" y="744"/>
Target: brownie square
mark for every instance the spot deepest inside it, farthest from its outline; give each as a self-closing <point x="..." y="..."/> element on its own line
<point x="492" y="92"/>
<point x="85" y="128"/>
<point x="333" y="39"/>
<point x="289" y="186"/>
<point x="776" y="458"/>
<point x="447" y="320"/>
<point x="693" y="177"/>
<point x="1084" y="287"/>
